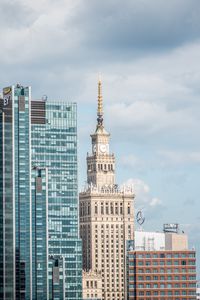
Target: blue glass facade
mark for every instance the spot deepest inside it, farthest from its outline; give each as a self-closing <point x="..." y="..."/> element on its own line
<point x="54" y="148"/>
<point x="40" y="232"/>
<point x="40" y="249"/>
<point x="16" y="248"/>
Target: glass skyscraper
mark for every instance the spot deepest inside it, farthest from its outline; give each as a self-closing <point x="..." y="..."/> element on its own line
<point x="15" y="195"/>
<point x="40" y="249"/>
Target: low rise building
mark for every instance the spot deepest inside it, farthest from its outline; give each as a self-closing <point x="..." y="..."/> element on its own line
<point x="161" y="267"/>
<point x="161" y="275"/>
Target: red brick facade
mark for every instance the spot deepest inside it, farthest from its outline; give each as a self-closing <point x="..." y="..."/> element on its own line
<point x="161" y="275"/>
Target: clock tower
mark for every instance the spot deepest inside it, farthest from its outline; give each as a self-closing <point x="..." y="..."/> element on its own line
<point x="106" y="214"/>
<point x="101" y="163"/>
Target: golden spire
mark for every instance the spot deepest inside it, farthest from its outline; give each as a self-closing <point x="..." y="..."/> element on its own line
<point x="100" y="104"/>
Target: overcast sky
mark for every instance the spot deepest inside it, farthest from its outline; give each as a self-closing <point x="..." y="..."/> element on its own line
<point x="148" y="52"/>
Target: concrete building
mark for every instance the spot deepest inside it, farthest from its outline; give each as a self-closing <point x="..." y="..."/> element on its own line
<point x="40" y="250"/>
<point x="106" y="215"/>
<point x="92" y="285"/>
<point x="176" y="241"/>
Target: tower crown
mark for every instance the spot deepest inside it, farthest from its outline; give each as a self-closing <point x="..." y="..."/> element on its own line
<point x="100" y="164"/>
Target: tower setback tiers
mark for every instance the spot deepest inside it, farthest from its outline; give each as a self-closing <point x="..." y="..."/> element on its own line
<point x="106" y="215"/>
<point x="100" y="164"/>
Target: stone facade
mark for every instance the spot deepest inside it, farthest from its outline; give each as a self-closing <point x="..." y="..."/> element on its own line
<point x="106" y="216"/>
<point x="92" y="285"/>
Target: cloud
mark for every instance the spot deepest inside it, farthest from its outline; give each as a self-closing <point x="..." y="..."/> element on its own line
<point x="179" y="157"/>
<point x="189" y="202"/>
<point x="131" y="161"/>
<point x="143" y="118"/>
<point x="143" y="196"/>
<point x="135" y="25"/>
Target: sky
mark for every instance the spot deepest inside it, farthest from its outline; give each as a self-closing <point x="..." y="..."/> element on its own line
<point x="148" y="54"/>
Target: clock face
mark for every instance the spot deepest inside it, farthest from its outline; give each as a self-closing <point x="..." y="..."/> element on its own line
<point x="102" y="148"/>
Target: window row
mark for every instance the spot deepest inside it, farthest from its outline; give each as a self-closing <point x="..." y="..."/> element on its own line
<point x="160" y="278"/>
<point x="91" y="284"/>
<point x="165" y="285"/>
<point x="169" y="293"/>
<point x="164" y="255"/>
<point x="100" y="167"/>
<point x="167" y="263"/>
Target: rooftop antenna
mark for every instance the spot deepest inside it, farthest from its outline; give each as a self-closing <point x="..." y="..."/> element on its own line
<point x="100" y="103"/>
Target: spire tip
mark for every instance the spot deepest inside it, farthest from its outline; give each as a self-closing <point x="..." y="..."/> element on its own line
<point x="100" y="104"/>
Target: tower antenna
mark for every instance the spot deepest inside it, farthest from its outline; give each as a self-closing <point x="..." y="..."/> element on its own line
<point x="100" y="104"/>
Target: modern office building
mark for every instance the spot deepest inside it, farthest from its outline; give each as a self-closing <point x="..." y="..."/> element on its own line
<point x="106" y="215"/>
<point x="15" y="194"/>
<point x="162" y="274"/>
<point x="40" y="249"/>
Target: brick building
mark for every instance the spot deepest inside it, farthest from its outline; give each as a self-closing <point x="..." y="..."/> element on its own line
<point x="165" y="274"/>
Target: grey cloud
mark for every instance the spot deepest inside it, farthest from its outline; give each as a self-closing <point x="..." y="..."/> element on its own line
<point x="189" y="202"/>
<point x="138" y="25"/>
<point x="15" y="14"/>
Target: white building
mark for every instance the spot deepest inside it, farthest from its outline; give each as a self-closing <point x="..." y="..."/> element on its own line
<point x="158" y="241"/>
<point x="149" y="241"/>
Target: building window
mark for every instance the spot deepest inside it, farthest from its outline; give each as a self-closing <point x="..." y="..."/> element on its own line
<point x="155" y="285"/>
<point x="111" y="209"/>
<point x="169" y="293"/>
<point x="107" y="210"/>
<point x="192" y="255"/>
<point x="116" y="209"/>
<point x="88" y="209"/>
<point x="169" y="277"/>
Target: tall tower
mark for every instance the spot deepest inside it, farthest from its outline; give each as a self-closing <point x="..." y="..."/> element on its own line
<point x="15" y="194"/>
<point x="106" y="215"/>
